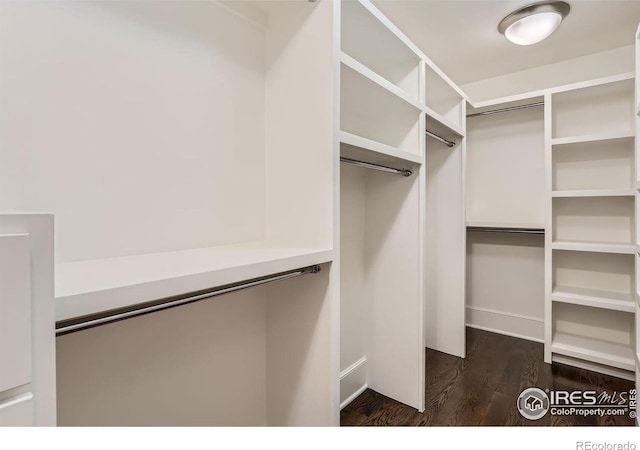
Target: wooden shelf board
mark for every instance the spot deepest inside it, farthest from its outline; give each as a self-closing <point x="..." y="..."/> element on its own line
<point x="596" y="350"/>
<point x="372" y="151"/>
<point x="594" y="298"/>
<point x="592" y="138"/>
<point x="87" y="287"/>
<point x="594" y="193"/>
<point x="598" y="247"/>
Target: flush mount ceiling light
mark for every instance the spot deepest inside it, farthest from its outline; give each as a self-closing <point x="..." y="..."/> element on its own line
<point x="533" y="23"/>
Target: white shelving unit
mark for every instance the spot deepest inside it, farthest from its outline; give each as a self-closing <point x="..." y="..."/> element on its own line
<point x="591" y="241"/>
<point x="390" y="233"/>
<point x="381" y="214"/>
<point x="188" y="174"/>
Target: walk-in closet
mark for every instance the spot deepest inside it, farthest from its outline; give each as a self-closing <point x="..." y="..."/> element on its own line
<point x="316" y="212"/>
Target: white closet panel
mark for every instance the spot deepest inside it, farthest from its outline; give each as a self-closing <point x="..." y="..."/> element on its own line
<point x="505" y="283"/>
<point x="15" y="311"/>
<point x="381" y="284"/>
<point x="445" y="248"/>
<point x="505" y="167"/>
<point x="17" y="411"/>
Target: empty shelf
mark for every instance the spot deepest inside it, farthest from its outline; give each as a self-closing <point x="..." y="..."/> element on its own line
<point x="595" y="193"/>
<point x="592" y="138"/>
<point x="373" y="151"/>
<point x="598" y="247"/>
<point x="596" y="350"/>
<point x="377" y="79"/>
<point x="594" y="298"/>
<point x="438" y="124"/>
<point x="88" y="287"/>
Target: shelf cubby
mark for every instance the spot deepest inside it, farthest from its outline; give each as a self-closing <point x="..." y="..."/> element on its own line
<point x="370" y="111"/>
<point x="600" y="336"/>
<point x="603" y="220"/>
<point x="592" y="166"/>
<point x="443" y="99"/>
<point x="593" y="278"/>
<point x="371" y="42"/>
<point x="596" y="110"/>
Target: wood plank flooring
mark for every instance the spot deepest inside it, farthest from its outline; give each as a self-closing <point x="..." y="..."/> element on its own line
<point x="483" y="388"/>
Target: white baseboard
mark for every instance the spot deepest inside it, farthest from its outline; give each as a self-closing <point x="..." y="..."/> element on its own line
<point x="353" y="396"/>
<point x="352" y="368"/>
<point x="353" y="381"/>
<point x="509" y="324"/>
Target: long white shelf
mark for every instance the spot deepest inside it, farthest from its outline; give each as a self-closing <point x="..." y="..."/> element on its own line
<point x="592" y="138"/>
<point x="595" y="298"/>
<point x="596" y="350"/>
<point x="377" y="79"/>
<point x="88" y="287"/>
<point x="524" y="226"/>
<point x="595" y="193"/>
<point x="598" y="247"/>
<point x="377" y="150"/>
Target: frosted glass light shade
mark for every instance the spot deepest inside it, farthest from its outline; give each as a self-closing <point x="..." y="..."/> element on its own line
<point x="533" y="23"/>
<point x="533" y="29"/>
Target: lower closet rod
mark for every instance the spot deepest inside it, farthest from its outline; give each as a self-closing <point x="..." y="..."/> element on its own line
<point x="507" y="230"/>
<point x="441" y="139"/>
<point x="355" y="162"/>
<point x="114" y="315"/>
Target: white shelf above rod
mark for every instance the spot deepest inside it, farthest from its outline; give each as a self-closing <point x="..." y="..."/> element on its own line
<point x="507" y="109"/>
<point x="507" y="230"/>
<point x="446" y="142"/>
<point x="93" y="320"/>
<point x="366" y="165"/>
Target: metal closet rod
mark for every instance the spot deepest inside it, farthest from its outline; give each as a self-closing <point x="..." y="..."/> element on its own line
<point x="115" y="315"/>
<point x="507" y="230"/>
<point x="366" y="165"/>
<point x="507" y="109"/>
<point x="446" y="142"/>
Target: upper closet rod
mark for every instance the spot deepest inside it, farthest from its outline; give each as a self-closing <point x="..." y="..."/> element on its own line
<point x="441" y="139"/>
<point x="510" y="108"/>
<point x="114" y="315"/>
<point x="507" y="230"/>
<point x="355" y="162"/>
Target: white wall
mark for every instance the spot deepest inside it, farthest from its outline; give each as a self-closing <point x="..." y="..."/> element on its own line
<point x="597" y="65"/>
<point x="505" y="283"/>
<point x="140" y="125"/>
<point x="505" y="168"/>
<point x="197" y="365"/>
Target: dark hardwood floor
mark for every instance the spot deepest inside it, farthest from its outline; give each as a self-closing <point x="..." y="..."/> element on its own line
<point x="483" y="388"/>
